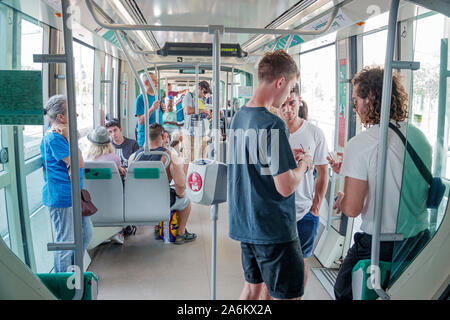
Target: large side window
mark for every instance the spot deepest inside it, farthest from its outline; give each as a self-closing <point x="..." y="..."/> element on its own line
<point x="84" y="84"/>
<point x="31" y="43"/>
<point x="318" y="88"/>
<point x="374" y="48"/>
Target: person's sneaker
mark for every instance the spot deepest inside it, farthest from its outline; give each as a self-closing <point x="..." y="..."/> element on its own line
<point x="186" y="237"/>
<point x="117" y="239"/>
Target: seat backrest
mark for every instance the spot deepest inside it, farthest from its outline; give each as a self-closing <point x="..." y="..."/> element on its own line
<point x="17" y="282"/>
<point x="103" y="181"/>
<point x="147" y="195"/>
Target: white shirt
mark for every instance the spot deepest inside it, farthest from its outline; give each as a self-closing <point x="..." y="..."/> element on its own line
<point x="360" y="162"/>
<point x="310" y="138"/>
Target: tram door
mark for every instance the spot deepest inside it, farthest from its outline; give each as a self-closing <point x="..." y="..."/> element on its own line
<point x="25" y="224"/>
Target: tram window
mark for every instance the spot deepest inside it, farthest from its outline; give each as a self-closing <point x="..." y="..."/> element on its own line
<point x="116" y="72"/>
<point x="84" y="84"/>
<point x="4" y="231"/>
<point x="422" y="226"/>
<point x="318" y="88"/>
<point x="429" y="32"/>
<point x="374" y="48"/>
<point x="31" y="43"/>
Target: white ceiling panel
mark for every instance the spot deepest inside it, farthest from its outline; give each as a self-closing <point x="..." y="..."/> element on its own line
<point x="229" y="13"/>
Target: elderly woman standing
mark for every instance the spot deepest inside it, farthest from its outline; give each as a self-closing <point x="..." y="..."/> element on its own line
<point x="57" y="190"/>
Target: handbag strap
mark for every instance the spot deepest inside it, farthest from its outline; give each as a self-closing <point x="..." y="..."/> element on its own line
<point x="426" y="174"/>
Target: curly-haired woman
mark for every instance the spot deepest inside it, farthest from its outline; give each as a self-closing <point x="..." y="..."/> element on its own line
<point x="402" y="212"/>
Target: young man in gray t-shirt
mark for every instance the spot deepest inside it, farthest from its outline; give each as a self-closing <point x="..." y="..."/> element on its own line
<point x="262" y="177"/>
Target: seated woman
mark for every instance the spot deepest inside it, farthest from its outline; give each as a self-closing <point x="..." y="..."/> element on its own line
<point x="101" y="149"/>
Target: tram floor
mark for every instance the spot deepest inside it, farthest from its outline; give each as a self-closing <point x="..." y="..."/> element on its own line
<point x="144" y="268"/>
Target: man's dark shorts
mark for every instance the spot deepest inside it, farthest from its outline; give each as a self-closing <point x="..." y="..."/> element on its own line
<point x="279" y="266"/>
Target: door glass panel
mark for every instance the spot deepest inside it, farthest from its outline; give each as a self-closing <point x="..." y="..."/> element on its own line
<point x="417" y="223"/>
<point x="84" y="84"/>
<point x="374" y="48"/>
<point x="4" y="231"/>
<point x="318" y="89"/>
<point x="31" y="43"/>
<point x="35" y="182"/>
<point x="41" y="228"/>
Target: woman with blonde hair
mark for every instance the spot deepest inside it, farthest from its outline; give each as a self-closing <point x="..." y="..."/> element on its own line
<point x="101" y="148"/>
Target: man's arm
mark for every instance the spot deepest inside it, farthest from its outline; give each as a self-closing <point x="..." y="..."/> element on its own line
<point x="321" y="188"/>
<point x="177" y="172"/>
<point x="351" y="201"/>
<point x="288" y="181"/>
<point x="141" y="118"/>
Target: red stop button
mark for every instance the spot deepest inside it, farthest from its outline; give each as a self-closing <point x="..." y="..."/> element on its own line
<point x="195" y="182"/>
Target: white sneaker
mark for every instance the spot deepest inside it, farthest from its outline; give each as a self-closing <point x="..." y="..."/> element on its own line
<point x="117" y="239"/>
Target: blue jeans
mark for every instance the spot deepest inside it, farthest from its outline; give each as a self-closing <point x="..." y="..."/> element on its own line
<point x="307" y="228"/>
<point x="63" y="223"/>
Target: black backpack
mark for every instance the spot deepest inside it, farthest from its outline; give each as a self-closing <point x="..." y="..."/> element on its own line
<point x="129" y="230"/>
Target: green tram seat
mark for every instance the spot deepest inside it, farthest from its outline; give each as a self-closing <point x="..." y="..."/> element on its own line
<point x="360" y="279"/>
<point x="144" y="200"/>
<point x="18" y="282"/>
<point x="57" y="284"/>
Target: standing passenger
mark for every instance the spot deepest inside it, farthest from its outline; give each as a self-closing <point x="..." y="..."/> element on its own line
<point x="189" y="133"/>
<point x="307" y="138"/>
<point x="360" y="170"/>
<point x="261" y="186"/>
<point x="153" y="106"/>
<point x="57" y="190"/>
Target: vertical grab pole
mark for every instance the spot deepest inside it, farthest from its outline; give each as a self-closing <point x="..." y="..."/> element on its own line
<point x="444" y="73"/>
<point x="382" y="150"/>
<point x="232" y="92"/>
<point x="336" y="145"/>
<point x="141" y="85"/>
<point x="74" y="160"/>
<point x="226" y="107"/>
<point x="156" y="92"/>
<point x="216" y="114"/>
<point x="197" y="133"/>
<point x="439" y="158"/>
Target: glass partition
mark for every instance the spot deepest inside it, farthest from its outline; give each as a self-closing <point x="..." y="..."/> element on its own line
<point x="415" y="221"/>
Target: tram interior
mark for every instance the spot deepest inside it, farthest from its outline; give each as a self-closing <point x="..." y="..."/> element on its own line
<point x="106" y="88"/>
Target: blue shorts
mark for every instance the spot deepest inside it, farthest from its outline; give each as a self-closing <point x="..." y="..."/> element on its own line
<point x="307" y="227"/>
